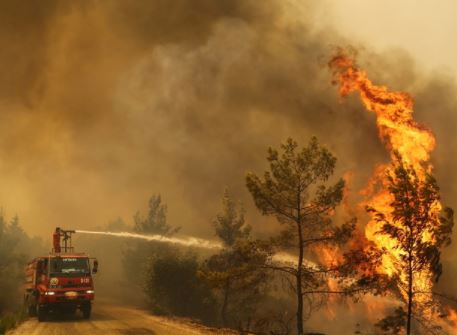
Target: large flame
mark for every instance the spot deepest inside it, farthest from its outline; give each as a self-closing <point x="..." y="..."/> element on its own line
<point x="394" y="112"/>
<point x="402" y="135"/>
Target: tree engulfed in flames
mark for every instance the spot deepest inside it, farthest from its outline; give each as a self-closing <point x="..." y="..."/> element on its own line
<point x="397" y="130"/>
<point x="403" y="138"/>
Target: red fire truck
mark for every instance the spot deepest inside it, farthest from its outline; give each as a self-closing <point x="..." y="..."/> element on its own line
<point x="60" y="281"/>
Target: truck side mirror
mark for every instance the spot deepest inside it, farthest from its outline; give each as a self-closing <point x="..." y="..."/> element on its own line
<point x="95" y="266"/>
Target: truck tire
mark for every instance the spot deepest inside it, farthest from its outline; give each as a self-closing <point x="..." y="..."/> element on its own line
<point x="42" y="313"/>
<point x="30" y="306"/>
<point x="86" y="309"/>
<point x="32" y="310"/>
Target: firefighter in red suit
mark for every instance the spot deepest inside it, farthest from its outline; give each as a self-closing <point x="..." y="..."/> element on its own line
<point x="56" y="240"/>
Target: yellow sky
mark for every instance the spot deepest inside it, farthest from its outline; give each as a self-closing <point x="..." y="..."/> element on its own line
<point x="425" y="28"/>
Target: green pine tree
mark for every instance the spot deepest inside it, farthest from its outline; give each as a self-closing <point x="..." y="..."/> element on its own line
<point x="237" y="273"/>
<point x="295" y="192"/>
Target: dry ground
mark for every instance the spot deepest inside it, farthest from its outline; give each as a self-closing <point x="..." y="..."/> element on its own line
<point x="110" y="319"/>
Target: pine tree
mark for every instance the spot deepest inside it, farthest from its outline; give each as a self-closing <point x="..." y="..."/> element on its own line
<point x="418" y="229"/>
<point x="136" y="256"/>
<point x="237" y="272"/>
<point x="294" y="191"/>
<point x="156" y="220"/>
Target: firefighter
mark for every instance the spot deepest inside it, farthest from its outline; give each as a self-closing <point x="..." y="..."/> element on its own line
<point x="56" y="240"/>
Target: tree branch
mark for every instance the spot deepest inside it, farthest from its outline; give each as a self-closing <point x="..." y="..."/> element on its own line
<point x="343" y="292"/>
<point x="286" y="269"/>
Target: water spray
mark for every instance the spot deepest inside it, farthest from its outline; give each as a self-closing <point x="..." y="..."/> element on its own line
<point x="186" y="241"/>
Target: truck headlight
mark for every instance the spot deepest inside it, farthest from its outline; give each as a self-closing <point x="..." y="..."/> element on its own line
<point x="50" y="293"/>
<point x="90" y="291"/>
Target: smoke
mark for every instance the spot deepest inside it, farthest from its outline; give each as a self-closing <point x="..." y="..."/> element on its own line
<point x="110" y="106"/>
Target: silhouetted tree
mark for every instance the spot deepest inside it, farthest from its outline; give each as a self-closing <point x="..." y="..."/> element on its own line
<point x="16" y="247"/>
<point x="294" y="191"/>
<point x="419" y="230"/>
<point x="155" y="222"/>
<point x="136" y="253"/>
<point x="237" y="272"/>
<point x="10" y="264"/>
<point x="230" y="225"/>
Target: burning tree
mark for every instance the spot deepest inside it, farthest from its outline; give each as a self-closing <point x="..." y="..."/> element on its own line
<point x="418" y="231"/>
<point x="294" y="192"/>
<point x="408" y="221"/>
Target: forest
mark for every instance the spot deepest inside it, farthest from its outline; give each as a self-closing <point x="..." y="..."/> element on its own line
<point x="319" y="258"/>
<point x="310" y="143"/>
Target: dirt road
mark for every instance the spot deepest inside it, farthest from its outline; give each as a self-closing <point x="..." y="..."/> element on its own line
<point x="109" y="319"/>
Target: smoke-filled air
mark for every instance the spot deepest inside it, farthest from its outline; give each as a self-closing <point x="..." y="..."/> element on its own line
<point x="273" y="167"/>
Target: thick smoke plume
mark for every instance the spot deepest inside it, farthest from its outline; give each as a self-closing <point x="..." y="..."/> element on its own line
<point x="105" y="103"/>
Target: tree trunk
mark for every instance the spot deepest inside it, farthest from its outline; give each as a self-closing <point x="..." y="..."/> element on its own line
<point x="299" y="306"/>
<point x="225" y="303"/>
<point x="299" y="283"/>
<point x="410" y="295"/>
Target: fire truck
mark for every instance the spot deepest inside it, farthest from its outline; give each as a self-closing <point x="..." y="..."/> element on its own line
<point x="60" y="281"/>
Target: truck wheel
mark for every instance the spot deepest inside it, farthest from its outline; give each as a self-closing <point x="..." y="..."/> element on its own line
<point x="29" y="306"/>
<point x="42" y="313"/>
<point x="86" y="309"/>
<point x="32" y="309"/>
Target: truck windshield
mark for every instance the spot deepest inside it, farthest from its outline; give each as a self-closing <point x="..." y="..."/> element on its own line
<point x="69" y="266"/>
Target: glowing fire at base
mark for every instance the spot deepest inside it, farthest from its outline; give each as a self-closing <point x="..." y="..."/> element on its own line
<point x="402" y="136"/>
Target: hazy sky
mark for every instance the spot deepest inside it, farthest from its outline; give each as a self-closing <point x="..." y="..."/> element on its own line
<point x="425" y="28"/>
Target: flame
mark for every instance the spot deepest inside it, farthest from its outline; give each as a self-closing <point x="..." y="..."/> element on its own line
<point x="396" y="126"/>
<point x="401" y="135"/>
<point x="452" y="317"/>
